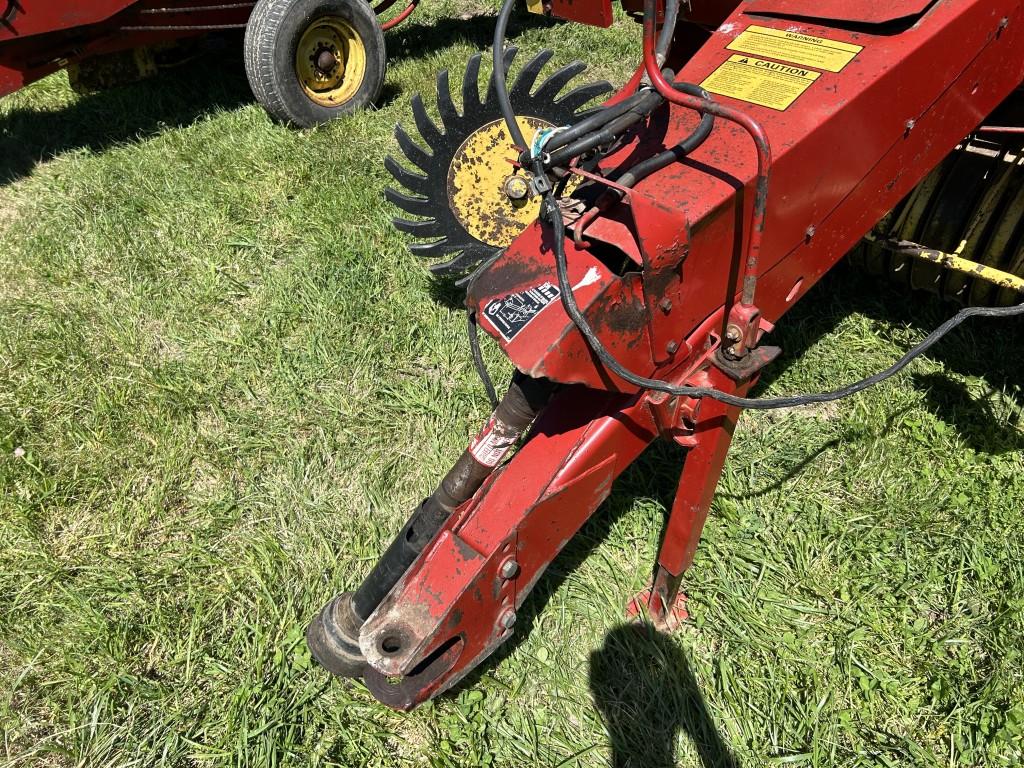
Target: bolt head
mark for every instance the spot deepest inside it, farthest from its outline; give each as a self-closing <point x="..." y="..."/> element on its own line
<point x="516" y="188"/>
<point x="671" y="347"/>
<point x="508" y="619"/>
<point x="509" y="569"/>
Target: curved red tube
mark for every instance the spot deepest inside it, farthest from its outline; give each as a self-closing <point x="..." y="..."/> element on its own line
<point x="745" y="121"/>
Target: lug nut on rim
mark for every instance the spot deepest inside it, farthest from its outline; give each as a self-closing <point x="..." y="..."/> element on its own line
<point x="326" y="61"/>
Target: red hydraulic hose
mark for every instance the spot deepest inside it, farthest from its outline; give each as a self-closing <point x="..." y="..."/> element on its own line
<point x="745" y="121"/>
<point x="392" y="23"/>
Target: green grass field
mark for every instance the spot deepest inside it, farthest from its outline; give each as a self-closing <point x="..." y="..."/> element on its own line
<point x="224" y="383"/>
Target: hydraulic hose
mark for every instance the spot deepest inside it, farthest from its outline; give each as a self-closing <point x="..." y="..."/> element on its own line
<point x="501" y="85"/>
<point x="668" y="31"/>
<point x="645" y="168"/>
<point x="610" y="132"/>
<point x="596" y="121"/>
<point x="554" y="216"/>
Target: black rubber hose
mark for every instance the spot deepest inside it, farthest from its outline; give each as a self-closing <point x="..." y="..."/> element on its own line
<point x="592" y="123"/>
<point x="668" y="31"/>
<point x="500" y="84"/>
<point x="643" y="169"/>
<point x="608" y="133"/>
<point x="478" y="360"/>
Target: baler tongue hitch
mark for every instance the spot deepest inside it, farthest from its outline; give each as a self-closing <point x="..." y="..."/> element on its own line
<point x="334" y="635"/>
<point x="633" y="259"/>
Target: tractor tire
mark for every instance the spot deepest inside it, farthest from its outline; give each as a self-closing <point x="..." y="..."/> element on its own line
<point x="972" y="203"/>
<point x="311" y="61"/>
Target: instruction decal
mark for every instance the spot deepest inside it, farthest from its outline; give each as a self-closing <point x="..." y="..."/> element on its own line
<point x="796" y="48"/>
<point x="509" y="315"/>
<point x="756" y="81"/>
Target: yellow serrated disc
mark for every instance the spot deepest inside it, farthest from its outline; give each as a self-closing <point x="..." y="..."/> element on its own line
<point x="476" y="183"/>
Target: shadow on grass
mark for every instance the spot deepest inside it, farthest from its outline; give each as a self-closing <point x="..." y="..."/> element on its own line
<point x="640" y="680"/>
<point x="413" y="39"/>
<point x="975" y="420"/>
<point x="174" y="99"/>
<point x="644" y="686"/>
<point x="976" y="349"/>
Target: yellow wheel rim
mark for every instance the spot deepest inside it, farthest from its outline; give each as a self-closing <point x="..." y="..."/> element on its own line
<point x="330" y="61"/>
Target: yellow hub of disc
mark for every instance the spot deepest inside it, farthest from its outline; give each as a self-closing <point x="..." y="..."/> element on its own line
<point x="330" y="61"/>
<point x="480" y="179"/>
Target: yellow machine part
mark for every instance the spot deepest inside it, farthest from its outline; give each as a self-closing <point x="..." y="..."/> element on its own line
<point x="477" y="179"/>
<point x="338" y="81"/>
<point x="960" y="233"/>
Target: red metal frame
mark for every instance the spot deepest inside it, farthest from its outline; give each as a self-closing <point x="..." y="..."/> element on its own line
<point x="701" y="235"/>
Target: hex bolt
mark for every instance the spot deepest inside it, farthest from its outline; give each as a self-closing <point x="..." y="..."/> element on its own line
<point x="508" y="619"/>
<point x="671" y="347"/>
<point x="516" y="188"/>
<point x="666" y="306"/>
<point x="509" y="569"/>
<point x="733" y="333"/>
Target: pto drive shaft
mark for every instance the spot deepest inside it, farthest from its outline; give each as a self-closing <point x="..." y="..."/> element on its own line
<point x="333" y="636"/>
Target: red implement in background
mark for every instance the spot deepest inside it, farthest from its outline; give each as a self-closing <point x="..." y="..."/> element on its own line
<point x="38" y="37"/>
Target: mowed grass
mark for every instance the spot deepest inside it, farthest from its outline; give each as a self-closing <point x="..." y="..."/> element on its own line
<point x="224" y="383"/>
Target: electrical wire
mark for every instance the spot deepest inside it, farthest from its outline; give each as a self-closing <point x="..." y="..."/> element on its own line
<point x="553" y="214"/>
<point x="478" y="360"/>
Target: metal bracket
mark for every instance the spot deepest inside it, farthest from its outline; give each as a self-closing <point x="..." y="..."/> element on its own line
<point x="746" y="367"/>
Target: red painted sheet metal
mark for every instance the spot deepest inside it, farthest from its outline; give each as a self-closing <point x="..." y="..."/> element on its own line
<point x="595" y="12"/>
<point x="850" y="11"/>
<point x="528" y="511"/>
<point x="36" y="17"/>
<point x="831" y="178"/>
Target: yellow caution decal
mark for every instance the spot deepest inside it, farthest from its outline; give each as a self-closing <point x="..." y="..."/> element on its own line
<point x="766" y="83"/>
<point x="796" y="48"/>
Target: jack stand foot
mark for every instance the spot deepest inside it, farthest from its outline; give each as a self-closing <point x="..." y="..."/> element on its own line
<point x="664" y="618"/>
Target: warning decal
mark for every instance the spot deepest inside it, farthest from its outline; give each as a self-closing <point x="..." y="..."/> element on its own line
<point x="817" y="52"/>
<point x="512" y="313"/>
<point x="757" y="81"/>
